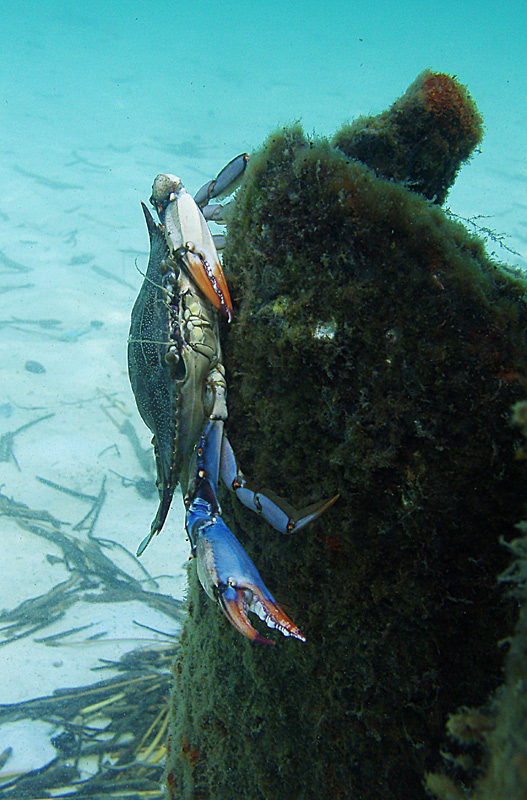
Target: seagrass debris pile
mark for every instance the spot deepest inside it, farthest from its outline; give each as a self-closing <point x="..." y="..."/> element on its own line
<point x="113" y="735"/>
<point x="109" y="736"/>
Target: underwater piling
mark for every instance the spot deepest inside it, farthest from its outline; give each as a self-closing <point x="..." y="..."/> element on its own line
<point x="376" y="351"/>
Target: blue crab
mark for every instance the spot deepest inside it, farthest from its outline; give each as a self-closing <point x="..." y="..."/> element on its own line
<point x="178" y="379"/>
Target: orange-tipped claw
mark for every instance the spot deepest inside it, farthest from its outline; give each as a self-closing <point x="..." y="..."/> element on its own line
<point x="234" y="606"/>
<point x="236" y="601"/>
<point x="189" y="237"/>
<point x="230" y="578"/>
<point x="209" y="278"/>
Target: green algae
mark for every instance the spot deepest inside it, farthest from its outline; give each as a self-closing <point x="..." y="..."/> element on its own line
<point x="375" y="352"/>
<point x="489" y="744"/>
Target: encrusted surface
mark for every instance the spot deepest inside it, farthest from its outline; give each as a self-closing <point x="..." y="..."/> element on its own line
<point x="376" y="352"/>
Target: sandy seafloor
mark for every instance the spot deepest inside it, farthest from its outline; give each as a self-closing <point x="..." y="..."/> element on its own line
<point x="96" y="100"/>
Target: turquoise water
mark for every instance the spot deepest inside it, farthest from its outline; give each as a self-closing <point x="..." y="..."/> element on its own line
<point x="138" y="88"/>
<point x="96" y="100"/>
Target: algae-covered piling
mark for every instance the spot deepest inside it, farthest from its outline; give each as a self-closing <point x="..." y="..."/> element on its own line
<point x="375" y="352"/>
<point x="422" y="140"/>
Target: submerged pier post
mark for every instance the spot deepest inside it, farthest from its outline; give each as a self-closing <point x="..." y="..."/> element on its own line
<point x="376" y="351"/>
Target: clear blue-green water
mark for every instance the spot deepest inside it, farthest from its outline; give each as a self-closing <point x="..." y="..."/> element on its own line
<point x="96" y="99"/>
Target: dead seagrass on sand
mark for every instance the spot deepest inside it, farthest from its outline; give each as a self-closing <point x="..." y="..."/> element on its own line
<point x="376" y="351"/>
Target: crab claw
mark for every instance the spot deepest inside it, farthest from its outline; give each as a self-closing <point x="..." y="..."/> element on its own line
<point x="230" y="578"/>
<point x="236" y="601"/>
<point x="190" y="239"/>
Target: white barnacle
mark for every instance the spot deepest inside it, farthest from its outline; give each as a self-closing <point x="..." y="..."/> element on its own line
<point x="325" y="330"/>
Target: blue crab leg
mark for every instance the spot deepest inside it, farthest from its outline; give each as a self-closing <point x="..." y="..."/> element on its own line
<point x="225" y="182"/>
<point x="225" y="571"/>
<point x="219" y="241"/>
<point x="273" y="508"/>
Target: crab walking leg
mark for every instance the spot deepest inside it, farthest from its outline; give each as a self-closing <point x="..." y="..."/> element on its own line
<point x="225" y="571"/>
<point x="273" y="508"/>
<point x="225" y="182"/>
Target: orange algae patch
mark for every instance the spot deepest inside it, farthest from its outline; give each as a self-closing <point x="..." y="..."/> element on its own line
<point x="452" y="107"/>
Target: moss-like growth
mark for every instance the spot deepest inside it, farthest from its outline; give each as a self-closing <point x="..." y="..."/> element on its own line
<point x="422" y="140"/>
<point x="375" y="352"/>
<point x="497" y="769"/>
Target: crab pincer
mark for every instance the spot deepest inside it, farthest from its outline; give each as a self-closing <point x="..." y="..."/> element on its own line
<point x="230" y="578"/>
<point x="191" y="240"/>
